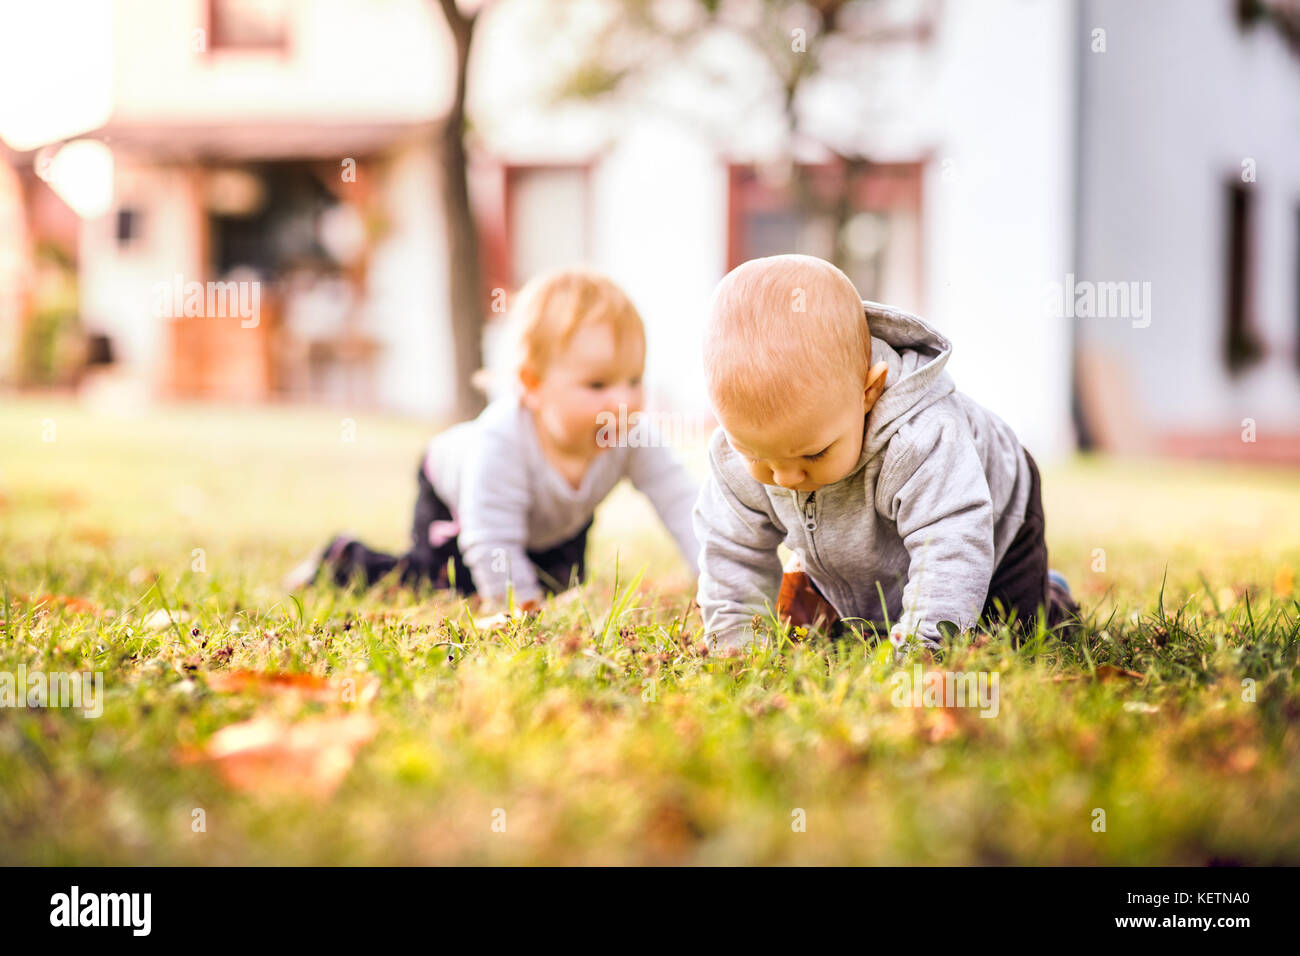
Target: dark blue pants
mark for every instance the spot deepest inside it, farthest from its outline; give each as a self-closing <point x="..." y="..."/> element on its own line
<point x="557" y="568"/>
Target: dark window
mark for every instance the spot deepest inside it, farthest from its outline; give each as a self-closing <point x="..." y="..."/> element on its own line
<point x="99" y="349"/>
<point x="128" y="226"/>
<point x="281" y="234"/>
<point x="1242" y="343"/>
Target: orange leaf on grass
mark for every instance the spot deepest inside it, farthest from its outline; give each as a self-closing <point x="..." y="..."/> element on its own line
<point x="267" y="755"/>
<point x="1107" y="672"/>
<point x="93" y="535"/>
<point x="943" y="724"/>
<point x="76" y="604"/>
<point x="325" y="690"/>
<point x="1104" y="673"/>
<point x="1284" y="580"/>
<point x="938" y="713"/>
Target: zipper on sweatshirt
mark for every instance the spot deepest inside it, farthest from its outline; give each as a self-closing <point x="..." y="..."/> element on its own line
<point x="809" y="512"/>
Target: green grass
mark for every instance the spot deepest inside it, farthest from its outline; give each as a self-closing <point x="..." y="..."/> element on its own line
<point x="600" y="730"/>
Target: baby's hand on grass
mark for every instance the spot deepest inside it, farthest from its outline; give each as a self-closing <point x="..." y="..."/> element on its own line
<point x="496" y="615"/>
<point x="566" y="598"/>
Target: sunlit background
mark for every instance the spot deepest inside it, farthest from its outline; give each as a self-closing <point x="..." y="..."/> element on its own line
<point x="1098" y="201"/>
<point x="980" y="163"/>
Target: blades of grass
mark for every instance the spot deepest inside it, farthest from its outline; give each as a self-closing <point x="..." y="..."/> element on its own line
<point x="1210" y="591"/>
<point x="586" y="611"/>
<point x="1160" y="605"/>
<point x="884" y="607"/>
<point x="1033" y="645"/>
<point x="469" y="615"/>
<point x="1087" y="656"/>
<point x="620" y="602"/>
<point x="681" y="621"/>
<point x="173" y="618"/>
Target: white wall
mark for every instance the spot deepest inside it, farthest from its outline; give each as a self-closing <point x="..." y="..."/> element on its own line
<point x="374" y="61"/>
<point x="997" y="205"/>
<point x="117" y="284"/>
<point x="1171" y="109"/>
<point x="994" y="94"/>
<point x="407" y="289"/>
<point x="660" y="232"/>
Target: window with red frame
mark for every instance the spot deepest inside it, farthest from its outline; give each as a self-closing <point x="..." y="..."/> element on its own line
<point x="865" y="217"/>
<point x="248" y="24"/>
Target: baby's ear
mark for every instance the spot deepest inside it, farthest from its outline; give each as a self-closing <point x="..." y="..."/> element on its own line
<point x="876" y="382"/>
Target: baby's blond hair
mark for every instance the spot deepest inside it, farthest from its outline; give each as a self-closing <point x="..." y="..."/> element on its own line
<point x="782" y="327"/>
<point x="552" y="306"/>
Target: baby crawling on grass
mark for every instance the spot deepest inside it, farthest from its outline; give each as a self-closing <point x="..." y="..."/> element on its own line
<point x="506" y="501"/>
<point x="843" y="437"/>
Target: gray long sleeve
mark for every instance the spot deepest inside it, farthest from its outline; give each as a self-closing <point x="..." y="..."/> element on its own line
<point x="933" y="488"/>
<point x="740" y="571"/>
<point x="656" y="473"/>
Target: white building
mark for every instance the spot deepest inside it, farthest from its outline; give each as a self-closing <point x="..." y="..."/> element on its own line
<point x="1189" y="160"/>
<point x="1037" y="146"/>
<point x="1017" y="150"/>
<point x="265" y="138"/>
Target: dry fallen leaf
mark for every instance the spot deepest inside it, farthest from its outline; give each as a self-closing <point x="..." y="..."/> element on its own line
<point x="1242" y="760"/>
<point x="76" y="604"/>
<point x="939" y="718"/>
<point x="1105" y="672"/>
<point x="92" y="535"/>
<point x="267" y="755"/>
<point x="359" y="689"/>
<point x="943" y="724"/>
<point x="1284" y="580"/>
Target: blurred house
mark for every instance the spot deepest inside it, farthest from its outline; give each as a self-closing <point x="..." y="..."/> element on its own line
<point x="1137" y="159"/>
<point x="283" y="152"/>
<point x="1189" y="180"/>
<point x="1059" y="187"/>
<point x="963" y="203"/>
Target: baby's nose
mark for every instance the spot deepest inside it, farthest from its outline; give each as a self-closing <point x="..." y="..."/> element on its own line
<point x="787" y="479"/>
<point x="626" y="396"/>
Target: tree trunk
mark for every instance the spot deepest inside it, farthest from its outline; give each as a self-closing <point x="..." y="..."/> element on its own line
<point x="464" y="273"/>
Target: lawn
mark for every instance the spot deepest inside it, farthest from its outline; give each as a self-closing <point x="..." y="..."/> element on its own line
<point x="151" y="549"/>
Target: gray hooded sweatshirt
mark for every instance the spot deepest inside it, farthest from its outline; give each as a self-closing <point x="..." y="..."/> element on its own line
<point x="937" y="495"/>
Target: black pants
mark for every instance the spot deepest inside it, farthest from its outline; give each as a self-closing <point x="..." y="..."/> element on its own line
<point x="1020" y="579"/>
<point x="556" y="567"/>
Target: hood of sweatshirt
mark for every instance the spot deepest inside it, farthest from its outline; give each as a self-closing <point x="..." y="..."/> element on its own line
<point x="916" y="355"/>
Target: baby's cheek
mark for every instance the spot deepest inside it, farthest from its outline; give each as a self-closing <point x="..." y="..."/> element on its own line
<point x="587" y="411"/>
